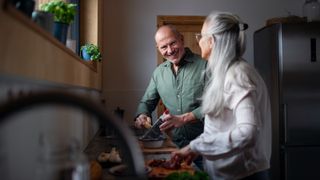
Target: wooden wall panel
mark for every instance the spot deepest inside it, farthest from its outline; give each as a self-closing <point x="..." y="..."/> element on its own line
<point x="89" y="21"/>
<point x="28" y="51"/>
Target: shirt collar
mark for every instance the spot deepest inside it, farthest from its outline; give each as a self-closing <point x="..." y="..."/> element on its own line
<point x="186" y="58"/>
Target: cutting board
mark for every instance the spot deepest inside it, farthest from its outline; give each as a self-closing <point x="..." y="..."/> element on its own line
<point x="161" y="173"/>
<point x="166" y="148"/>
<point x="163" y="150"/>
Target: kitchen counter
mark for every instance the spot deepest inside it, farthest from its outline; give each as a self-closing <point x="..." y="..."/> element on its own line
<point x="159" y="153"/>
<point x="101" y="143"/>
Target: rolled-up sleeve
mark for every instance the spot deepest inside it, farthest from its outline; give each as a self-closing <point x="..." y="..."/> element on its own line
<point x="149" y="100"/>
<point x="198" y="114"/>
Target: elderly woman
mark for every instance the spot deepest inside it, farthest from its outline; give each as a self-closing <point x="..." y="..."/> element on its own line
<point x="236" y="142"/>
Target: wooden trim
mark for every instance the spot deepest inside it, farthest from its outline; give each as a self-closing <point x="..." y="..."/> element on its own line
<point x="180" y="20"/>
<point x="33" y="53"/>
<point x="33" y="26"/>
<point x="89" y="21"/>
<point x="100" y="24"/>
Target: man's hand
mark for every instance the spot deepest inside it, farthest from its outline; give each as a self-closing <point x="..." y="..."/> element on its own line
<point x="174" y="121"/>
<point x="143" y="121"/>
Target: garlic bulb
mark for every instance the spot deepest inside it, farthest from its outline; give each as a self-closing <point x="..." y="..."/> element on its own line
<point x="103" y="157"/>
<point x="114" y="156"/>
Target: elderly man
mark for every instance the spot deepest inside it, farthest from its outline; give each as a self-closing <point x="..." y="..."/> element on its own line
<point x="179" y="83"/>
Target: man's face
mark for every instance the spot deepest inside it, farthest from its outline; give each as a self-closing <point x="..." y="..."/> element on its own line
<point x="170" y="46"/>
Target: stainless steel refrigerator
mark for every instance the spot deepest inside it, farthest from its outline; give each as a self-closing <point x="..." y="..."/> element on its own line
<point x="288" y="58"/>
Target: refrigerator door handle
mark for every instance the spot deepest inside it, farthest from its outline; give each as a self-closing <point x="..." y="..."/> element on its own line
<point x="313" y="48"/>
<point x="285" y="121"/>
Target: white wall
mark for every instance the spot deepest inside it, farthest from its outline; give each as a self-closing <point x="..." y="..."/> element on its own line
<point x="129" y="49"/>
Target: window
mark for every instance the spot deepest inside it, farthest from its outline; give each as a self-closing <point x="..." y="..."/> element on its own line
<point x="73" y="38"/>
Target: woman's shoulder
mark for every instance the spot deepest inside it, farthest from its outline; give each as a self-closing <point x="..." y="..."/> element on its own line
<point x="240" y="74"/>
<point x="238" y="70"/>
<point x="238" y="83"/>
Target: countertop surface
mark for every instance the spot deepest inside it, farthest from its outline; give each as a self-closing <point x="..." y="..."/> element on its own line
<point x="101" y="143"/>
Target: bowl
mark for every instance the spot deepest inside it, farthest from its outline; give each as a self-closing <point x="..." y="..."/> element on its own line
<point x="107" y="164"/>
<point x="152" y="142"/>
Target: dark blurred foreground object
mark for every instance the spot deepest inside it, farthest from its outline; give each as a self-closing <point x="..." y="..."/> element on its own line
<point x="128" y="143"/>
<point x="25" y="6"/>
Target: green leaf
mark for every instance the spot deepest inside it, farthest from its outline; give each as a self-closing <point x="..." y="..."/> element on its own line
<point x="63" y="12"/>
<point x="93" y="51"/>
<point x="198" y="175"/>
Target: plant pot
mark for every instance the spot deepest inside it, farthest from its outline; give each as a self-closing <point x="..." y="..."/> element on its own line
<point x="60" y="31"/>
<point x="25" y="6"/>
<point x="44" y="20"/>
<point x="84" y="55"/>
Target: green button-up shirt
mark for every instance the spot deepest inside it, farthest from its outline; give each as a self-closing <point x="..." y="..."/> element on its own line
<point x="179" y="93"/>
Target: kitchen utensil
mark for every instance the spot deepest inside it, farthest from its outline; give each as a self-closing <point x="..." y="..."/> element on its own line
<point x="152" y="142"/>
<point x="154" y="131"/>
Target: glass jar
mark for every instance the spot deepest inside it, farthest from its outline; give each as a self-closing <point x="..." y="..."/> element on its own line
<point x="62" y="162"/>
<point x="311" y="10"/>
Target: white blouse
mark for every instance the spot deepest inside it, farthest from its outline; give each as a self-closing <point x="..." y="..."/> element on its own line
<point x="238" y="143"/>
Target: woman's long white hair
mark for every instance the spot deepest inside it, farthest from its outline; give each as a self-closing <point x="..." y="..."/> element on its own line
<point x="227" y="30"/>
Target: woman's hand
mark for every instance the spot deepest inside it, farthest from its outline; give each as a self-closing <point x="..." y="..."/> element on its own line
<point x="143" y="121"/>
<point x="185" y="153"/>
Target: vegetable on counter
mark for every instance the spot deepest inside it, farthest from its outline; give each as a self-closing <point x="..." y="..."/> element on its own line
<point x="198" y="175"/>
<point x="109" y="159"/>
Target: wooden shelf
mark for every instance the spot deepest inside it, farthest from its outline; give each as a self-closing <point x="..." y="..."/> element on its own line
<point x="31" y="52"/>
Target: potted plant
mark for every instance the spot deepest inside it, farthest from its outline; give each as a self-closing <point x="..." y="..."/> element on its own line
<point x="90" y="52"/>
<point x="44" y="20"/>
<point x="64" y="14"/>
